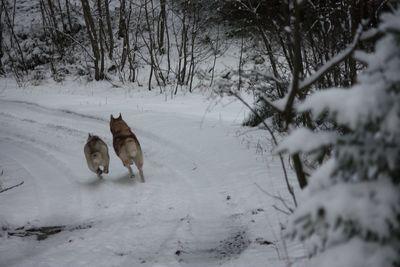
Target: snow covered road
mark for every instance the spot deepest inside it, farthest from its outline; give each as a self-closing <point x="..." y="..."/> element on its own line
<point x="198" y="207"/>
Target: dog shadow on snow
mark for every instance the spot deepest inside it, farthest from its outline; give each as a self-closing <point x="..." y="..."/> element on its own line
<point x="122" y="179"/>
<point x="92" y="182"/>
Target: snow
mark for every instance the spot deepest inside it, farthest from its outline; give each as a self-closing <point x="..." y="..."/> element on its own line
<point x="305" y="140"/>
<point x="348" y="107"/>
<point x="356" y="253"/>
<point x="369" y="206"/>
<point x="390" y="22"/>
<point x="280" y="104"/>
<point x="200" y="205"/>
<point x="320" y="178"/>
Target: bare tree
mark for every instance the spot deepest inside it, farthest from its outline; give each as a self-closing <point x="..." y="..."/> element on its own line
<point x="1" y="40"/>
<point x="13" y="37"/>
<point x="94" y="39"/>
<point x="109" y="30"/>
<point x="101" y="38"/>
<point x="67" y="7"/>
<point x="122" y="22"/>
<point x="162" y="21"/>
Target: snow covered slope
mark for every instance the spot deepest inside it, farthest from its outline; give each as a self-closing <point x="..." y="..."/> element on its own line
<point x="201" y="204"/>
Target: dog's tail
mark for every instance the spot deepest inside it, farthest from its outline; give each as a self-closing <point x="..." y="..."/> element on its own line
<point x="96" y="158"/>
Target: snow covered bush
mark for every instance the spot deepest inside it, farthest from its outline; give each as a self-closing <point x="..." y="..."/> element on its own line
<point x="349" y="214"/>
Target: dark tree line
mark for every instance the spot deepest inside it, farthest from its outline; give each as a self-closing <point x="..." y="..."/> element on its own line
<point x="325" y="29"/>
<point x="306" y="46"/>
<point x="117" y="37"/>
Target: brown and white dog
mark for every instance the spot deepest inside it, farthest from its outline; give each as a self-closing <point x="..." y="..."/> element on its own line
<point x="126" y="145"/>
<point x="96" y="153"/>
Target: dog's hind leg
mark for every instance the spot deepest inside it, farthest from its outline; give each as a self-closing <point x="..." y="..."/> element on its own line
<point x="106" y="169"/>
<point x="139" y="165"/>
<point x="99" y="172"/>
<point x="141" y="175"/>
<point x="131" y="174"/>
<point x="106" y="163"/>
<point x="127" y="165"/>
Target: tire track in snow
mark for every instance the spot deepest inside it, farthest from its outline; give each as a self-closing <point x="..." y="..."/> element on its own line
<point x="58" y="137"/>
<point x="38" y="165"/>
<point x="36" y="108"/>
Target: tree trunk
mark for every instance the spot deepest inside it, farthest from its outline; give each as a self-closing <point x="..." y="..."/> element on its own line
<point x="109" y="30"/>
<point x="91" y="29"/>
<point x="122" y="26"/>
<point x="62" y="16"/>
<point x="1" y="40"/>
<point x="168" y="51"/>
<point x="272" y="60"/>
<point x="162" y="21"/>
<point x="52" y="14"/>
<point x="68" y="15"/>
<point x="101" y="38"/>
<point x="192" y="55"/>
<point x="13" y="35"/>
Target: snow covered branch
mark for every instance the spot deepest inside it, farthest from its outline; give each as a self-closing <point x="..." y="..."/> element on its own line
<point x="306" y="83"/>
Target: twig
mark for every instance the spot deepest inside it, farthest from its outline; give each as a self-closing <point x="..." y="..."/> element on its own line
<point x="8" y="188"/>
<point x="44" y="232"/>
<point x="297" y="64"/>
<point x="289" y="187"/>
<point x="281" y="210"/>
<point x="281" y="199"/>
<point x="265" y="76"/>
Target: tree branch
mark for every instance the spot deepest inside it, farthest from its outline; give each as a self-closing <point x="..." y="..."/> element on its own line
<point x="9" y="188"/>
<point x="333" y="62"/>
<point x="289" y="187"/>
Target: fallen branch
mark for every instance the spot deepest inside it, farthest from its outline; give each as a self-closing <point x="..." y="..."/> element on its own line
<point x="43" y="232"/>
<point x="8" y="188"/>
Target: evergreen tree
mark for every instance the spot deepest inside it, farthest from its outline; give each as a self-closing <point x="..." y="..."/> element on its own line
<point x="349" y="214"/>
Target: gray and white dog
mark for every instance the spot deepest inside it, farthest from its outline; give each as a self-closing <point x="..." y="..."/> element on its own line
<point x="96" y="153"/>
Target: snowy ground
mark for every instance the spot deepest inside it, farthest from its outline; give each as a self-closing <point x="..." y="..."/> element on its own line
<point x="201" y="204"/>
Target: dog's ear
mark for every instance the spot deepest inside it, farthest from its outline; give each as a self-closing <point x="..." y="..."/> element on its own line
<point x="111" y="117"/>
<point x="89" y="135"/>
<point x="120" y="116"/>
